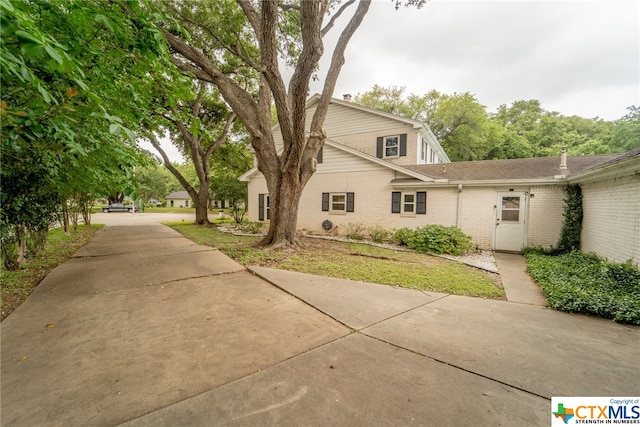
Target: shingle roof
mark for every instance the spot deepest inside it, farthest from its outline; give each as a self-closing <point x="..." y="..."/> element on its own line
<point x="510" y="169"/>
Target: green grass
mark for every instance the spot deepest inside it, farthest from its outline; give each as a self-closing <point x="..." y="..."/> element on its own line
<point x="585" y="283"/>
<point x="354" y="261"/>
<point x="17" y="285"/>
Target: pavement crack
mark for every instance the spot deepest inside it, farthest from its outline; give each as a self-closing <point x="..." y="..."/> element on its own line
<point x="444" y="362"/>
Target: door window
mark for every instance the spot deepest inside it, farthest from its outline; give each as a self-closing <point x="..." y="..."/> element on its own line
<point x="511" y="209"/>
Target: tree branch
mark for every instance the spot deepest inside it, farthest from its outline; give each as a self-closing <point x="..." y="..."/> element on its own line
<point x="167" y="162"/>
<point x="222" y="138"/>
<point x="335" y="17"/>
<point x="252" y="16"/>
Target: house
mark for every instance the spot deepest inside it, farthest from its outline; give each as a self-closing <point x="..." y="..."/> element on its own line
<point x="377" y="169"/>
<point x="179" y="199"/>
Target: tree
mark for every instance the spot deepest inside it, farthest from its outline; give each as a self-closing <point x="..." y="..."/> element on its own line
<point x="65" y="66"/>
<point x="203" y="126"/>
<point x="253" y="36"/>
<point x="626" y="131"/>
<point x="229" y="162"/>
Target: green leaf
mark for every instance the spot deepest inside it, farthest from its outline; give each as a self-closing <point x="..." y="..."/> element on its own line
<point x="45" y="94"/>
<point x="53" y="53"/>
<point x="115" y="129"/>
<point x="24" y="36"/>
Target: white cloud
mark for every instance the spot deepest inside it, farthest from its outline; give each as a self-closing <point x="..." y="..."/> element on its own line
<point x="576" y="57"/>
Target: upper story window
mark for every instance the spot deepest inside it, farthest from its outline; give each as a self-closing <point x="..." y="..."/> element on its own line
<point x="392" y="146"/>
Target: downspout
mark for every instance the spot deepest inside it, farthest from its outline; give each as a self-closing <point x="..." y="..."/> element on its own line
<point x="459" y="208"/>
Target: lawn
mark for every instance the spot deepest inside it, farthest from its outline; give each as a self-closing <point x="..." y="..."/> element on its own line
<point x="17" y="285"/>
<point x="355" y="261"/>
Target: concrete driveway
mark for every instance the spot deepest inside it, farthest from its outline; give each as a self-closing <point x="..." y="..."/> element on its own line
<point x="140" y="218"/>
<point x="145" y="328"/>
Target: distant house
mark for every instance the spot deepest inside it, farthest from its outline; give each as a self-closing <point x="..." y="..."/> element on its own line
<point x="179" y="199"/>
<point x="379" y="170"/>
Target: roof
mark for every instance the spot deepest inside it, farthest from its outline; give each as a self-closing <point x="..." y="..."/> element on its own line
<point x="536" y="168"/>
<point x="179" y="195"/>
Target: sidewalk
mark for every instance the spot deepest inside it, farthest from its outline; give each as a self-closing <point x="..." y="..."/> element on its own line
<point x="146" y="328"/>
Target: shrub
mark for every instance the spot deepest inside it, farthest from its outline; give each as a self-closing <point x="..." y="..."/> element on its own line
<point x="354" y="230"/>
<point x="435" y="239"/>
<point x="403" y="235"/>
<point x="251" y="227"/>
<point x="379" y="234"/>
<point x="580" y="282"/>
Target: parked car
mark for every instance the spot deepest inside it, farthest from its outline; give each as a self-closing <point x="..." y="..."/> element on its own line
<point x="118" y="207"/>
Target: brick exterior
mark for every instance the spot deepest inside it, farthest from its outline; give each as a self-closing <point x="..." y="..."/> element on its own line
<point x="546" y="209"/>
<point x="372" y="191"/>
<point x="611" y="224"/>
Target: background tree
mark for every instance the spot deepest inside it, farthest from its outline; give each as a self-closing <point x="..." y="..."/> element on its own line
<point x="523" y="129"/>
<point x="229" y="162"/>
<point x="203" y="125"/>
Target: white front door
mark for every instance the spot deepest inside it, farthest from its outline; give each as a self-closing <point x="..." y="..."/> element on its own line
<point x="510" y="221"/>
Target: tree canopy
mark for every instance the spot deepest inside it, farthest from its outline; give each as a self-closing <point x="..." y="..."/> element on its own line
<point x="467" y="131"/>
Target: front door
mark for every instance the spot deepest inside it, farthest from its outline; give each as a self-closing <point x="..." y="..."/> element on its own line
<point x="510" y="221"/>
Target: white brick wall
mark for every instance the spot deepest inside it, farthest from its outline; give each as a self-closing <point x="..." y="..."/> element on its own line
<point x="478" y="217"/>
<point x="373" y="207"/>
<point x="545" y="215"/>
<point x="611" y="224"/>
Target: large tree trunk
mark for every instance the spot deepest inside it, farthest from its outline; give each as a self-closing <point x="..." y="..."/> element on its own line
<point x="201" y="202"/>
<point x="284" y="213"/>
<point x="286" y="171"/>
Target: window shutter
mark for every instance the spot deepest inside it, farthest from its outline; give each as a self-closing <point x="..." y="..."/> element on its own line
<point x="350" y="200"/>
<point x="260" y="207"/>
<point x="319" y="157"/>
<point x="379" y="148"/>
<point x="395" y="201"/>
<point x="421" y="202"/>
<point x="403" y="144"/>
<point x="325" y="202"/>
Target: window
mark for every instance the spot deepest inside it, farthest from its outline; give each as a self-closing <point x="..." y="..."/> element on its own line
<point x="432" y="158"/>
<point x="409" y="202"/>
<point x="423" y="151"/>
<point x="391" y="146"/>
<point x="338" y="202"/>
<point x="264" y="205"/>
<point x="511" y="209"/>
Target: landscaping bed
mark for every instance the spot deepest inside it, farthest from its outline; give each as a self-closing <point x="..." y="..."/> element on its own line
<point x="585" y="283"/>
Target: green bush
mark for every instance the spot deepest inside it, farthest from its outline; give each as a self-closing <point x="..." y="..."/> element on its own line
<point x="379" y="234"/>
<point x="436" y="239"/>
<point x="580" y="282"/>
<point x="403" y="235"/>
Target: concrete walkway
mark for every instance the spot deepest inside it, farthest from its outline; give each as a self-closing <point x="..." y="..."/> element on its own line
<point x="518" y="285"/>
<point x="146" y="328"/>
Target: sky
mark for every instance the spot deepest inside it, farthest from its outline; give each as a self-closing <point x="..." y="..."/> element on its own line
<point x="575" y="57"/>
